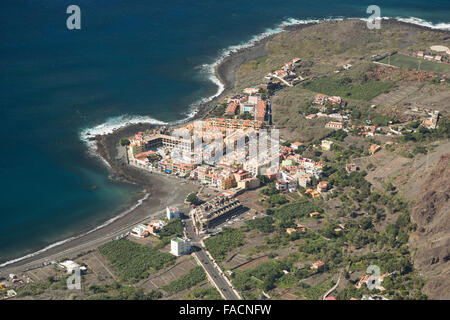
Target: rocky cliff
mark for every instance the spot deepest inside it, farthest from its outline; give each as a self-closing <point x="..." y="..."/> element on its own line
<point x="431" y="242"/>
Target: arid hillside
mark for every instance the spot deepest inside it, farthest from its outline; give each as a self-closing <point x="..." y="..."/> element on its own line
<point x="431" y="241"/>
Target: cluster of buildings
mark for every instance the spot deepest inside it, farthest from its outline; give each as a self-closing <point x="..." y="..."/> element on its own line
<point x="299" y="227"/>
<point x="431" y="121"/>
<point x="321" y="189"/>
<point x="431" y="57"/>
<point x="5" y="292"/>
<point x="215" y="211"/>
<point x="428" y="119"/>
<point x="252" y="104"/>
<point x="286" y="73"/>
<point x="296" y="170"/>
<point x="224" y="178"/>
<point x="320" y="101"/>
<point x="225" y="163"/>
<point x="366" y="131"/>
<point x="143" y="230"/>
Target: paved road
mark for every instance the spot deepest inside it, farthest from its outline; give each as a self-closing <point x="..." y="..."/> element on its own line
<point x="208" y="264"/>
<point x="223" y="285"/>
<point x="33" y="263"/>
<point x="331" y="290"/>
<point x="218" y="278"/>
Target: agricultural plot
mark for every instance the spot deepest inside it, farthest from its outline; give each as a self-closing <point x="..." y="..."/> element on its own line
<point x="344" y="87"/>
<point x="396" y="96"/>
<point x="223" y="242"/>
<point x="189" y="280"/>
<point x="403" y="61"/>
<point x="100" y="270"/>
<point x="134" y="261"/>
<point x="163" y="277"/>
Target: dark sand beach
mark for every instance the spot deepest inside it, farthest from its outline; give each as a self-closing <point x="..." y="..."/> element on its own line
<point x="162" y="190"/>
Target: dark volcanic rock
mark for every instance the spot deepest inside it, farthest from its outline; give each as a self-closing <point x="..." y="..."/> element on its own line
<point x="432" y="240"/>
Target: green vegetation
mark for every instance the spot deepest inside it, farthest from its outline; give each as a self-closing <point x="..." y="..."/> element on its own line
<point x="423" y="134"/>
<point x="246" y="116"/>
<point x="277" y="199"/>
<point x="58" y="282"/>
<point x="264" y="225"/>
<point x="218" y="110"/>
<point x="134" y="261"/>
<point x="174" y="228"/>
<point x="403" y="61"/>
<point x="344" y="87"/>
<point x="116" y="291"/>
<point x="270" y="190"/>
<point x="124" y="142"/>
<point x="223" y="242"/>
<point x="190" y="279"/>
<point x="203" y="294"/>
<point x="263" y="276"/>
<point x="263" y="179"/>
<point x="315" y="292"/>
<point x="288" y="213"/>
<point x="193" y="199"/>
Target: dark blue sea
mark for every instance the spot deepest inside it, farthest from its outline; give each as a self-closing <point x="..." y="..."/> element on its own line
<point x="132" y="60"/>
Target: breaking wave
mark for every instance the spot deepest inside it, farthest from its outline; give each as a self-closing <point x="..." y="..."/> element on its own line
<point x="122" y="214"/>
<point x="209" y="71"/>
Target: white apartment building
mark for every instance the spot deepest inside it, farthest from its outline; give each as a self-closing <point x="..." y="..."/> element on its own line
<point x="179" y="247"/>
<point x="172" y="213"/>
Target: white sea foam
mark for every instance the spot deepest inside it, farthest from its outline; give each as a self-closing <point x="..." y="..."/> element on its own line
<point x="115" y="123"/>
<point x="109" y="126"/>
<point x="424" y="23"/>
<point x="122" y="214"/>
<point x="209" y="70"/>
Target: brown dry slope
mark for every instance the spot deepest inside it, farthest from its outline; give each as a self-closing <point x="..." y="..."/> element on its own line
<point x="432" y="238"/>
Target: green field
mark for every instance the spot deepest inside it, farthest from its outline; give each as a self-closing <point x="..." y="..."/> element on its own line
<point x="189" y="280"/>
<point x="134" y="261"/>
<point x="220" y="244"/>
<point x="344" y="87"/>
<point x="402" y="61"/>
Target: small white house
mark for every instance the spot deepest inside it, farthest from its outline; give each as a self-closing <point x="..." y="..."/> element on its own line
<point x="70" y="266"/>
<point x="139" y="231"/>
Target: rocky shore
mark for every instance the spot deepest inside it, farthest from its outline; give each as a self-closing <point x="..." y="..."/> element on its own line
<point x="161" y="190"/>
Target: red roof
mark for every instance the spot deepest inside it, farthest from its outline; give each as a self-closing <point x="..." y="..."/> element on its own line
<point x="232" y="106"/>
<point x="144" y="154"/>
<point x="330" y="298"/>
<point x="260" y="110"/>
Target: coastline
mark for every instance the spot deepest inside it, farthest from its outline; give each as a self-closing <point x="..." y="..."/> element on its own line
<point x="158" y="188"/>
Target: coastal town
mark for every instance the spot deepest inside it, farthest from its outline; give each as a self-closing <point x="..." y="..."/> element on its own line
<point x="278" y="212"/>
